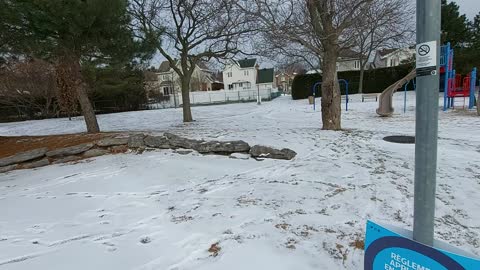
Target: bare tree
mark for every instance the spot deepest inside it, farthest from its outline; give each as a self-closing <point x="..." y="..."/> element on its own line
<point x="322" y="27"/>
<point x="386" y="23"/>
<point x="191" y="31"/>
<point x="29" y="87"/>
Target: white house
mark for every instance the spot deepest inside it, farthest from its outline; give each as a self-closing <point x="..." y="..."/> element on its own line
<point x="240" y="74"/>
<point x="392" y="57"/>
<point x="347" y="60"/>
<point x="169" y="81"/>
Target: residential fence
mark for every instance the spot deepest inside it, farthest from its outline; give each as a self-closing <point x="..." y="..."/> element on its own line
<point x="10" y="113"/>
<point x="199" y="98"/>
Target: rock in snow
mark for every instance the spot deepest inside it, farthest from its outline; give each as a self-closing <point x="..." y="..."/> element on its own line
<point x="261" y="151"/>
<point x="95" y="153"/>
<point x="136" y="141"/>
<point x="160" y="142"/>
<point x="22" y="157"/>
<point x="112" y="142"/>
<point x="68" y="151"/>
<point x="180" y="142"/>
<point x="223" y="147"/>
<point x="36" y="164"/>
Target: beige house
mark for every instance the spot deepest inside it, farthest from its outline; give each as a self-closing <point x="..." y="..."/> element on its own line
<point x="168" y="81"/>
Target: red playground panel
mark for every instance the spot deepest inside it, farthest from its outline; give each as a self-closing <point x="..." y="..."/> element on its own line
<point x="458" y="87"/>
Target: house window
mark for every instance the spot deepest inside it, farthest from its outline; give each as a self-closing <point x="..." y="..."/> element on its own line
<point x="392" y="62"/>
<point x="229" y="74"/>
<point x="245" y="72"/>
<point x="240" y="85"/>
<point x="357" y="64"/>
<point x="166" y="91"/>
<point x="230" y="87"/>
<point x="165" y="77"/>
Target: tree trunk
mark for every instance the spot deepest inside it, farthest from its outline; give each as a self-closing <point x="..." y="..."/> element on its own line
<point x="331" y="96"/>
<point x="69" y="74"/>
<point x="360" y="83"/>
<point x="87" y="109"/>
<point x="478" y="104"/>
<point x="187" y="111"/>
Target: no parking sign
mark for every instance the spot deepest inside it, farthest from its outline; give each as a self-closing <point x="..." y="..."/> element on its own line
<point x="393" y="249"/>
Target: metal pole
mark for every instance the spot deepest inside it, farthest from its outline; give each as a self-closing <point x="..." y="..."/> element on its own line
<point x="428" y="29"/>
<point x="473" y="84"/>
<point x="447" y="76"/>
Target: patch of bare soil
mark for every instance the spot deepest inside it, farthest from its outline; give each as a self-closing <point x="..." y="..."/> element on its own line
<point x="12" y="145"/>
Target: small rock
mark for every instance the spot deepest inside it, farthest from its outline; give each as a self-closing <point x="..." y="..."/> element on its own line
<point x="8" y="168"/>
<point x="68" y="151"/>
<point x="95" y="153"/>
<point x="23" y="156"/>
<point x="160" y="142"/>
<point x="112" y="142"/>
<point x="136" y="141"/>
<point x="66" y="159"/>
<point x="183" y="152"/>
<point x="35" y="164"/>
<point x="145" y="240"/>
<point x="223" y="147"/>
<point x="259" y="151"/>
<point x="239" y="156"/>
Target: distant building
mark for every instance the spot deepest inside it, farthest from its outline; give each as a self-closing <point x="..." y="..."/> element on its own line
<point x="348" y="60"/>
<point x="392" y="57"/>
<point x="240" y="74"/>
<point x="169" y="81"/>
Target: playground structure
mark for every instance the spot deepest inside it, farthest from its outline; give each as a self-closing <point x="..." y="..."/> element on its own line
<point x="317" y="84"/>
<point x="454" y="85"/>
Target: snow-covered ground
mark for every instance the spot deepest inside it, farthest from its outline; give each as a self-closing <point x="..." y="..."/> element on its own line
<point x="162" y="210"/>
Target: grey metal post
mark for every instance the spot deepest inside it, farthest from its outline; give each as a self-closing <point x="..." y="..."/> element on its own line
<point x="428" y="29"/>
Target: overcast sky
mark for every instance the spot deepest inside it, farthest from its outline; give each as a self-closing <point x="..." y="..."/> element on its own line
<point x="469" y="7"/>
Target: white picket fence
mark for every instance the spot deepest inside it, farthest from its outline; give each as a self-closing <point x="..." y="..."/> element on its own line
<point x="216" y="97"/>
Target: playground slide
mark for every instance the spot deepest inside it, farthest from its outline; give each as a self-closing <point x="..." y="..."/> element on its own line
<point x="385" y="107"/>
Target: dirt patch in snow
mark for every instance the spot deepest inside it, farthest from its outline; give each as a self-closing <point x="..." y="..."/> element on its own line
<point x="12" y="145"/>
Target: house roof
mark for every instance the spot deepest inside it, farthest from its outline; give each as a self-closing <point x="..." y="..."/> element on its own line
<point x="347" y="53"/>
<point x="164" y="66"/>
<point x="265" y="75"/>
<point x="247" y="63"/>
<point x="384" y="52"/>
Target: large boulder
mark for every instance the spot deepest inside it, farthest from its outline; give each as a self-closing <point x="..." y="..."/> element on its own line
<point x="260" y="151"/>
<point x="223" y="147"/>
<point x="95" y="153"/>
<point x="67" y="159"/>
<point x="136" y="141"/>
<point x="23" y="156"/>
<point x="8" y="168"/>
<point x="35" y="164"/>
<point x="112" y="142"/>
<point x="160" y="142"/>
<point x="180" y="142"/>
<point x="69" y="151"/>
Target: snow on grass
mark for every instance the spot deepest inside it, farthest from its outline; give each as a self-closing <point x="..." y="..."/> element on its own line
<point x="162" y="210"/>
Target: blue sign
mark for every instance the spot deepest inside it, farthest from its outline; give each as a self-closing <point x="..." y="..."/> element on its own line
<point x="391" y="248"/>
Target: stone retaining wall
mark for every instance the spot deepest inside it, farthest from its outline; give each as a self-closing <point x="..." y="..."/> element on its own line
<point x="138" y="142"/>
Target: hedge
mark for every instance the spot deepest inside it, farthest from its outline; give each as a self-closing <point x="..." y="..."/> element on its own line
<point x="375" y="81"/>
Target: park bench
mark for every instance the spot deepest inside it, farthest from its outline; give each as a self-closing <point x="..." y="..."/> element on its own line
<point x="369" y="96"/>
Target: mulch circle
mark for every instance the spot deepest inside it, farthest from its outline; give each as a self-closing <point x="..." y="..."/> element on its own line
<point x="400" y="139"/>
